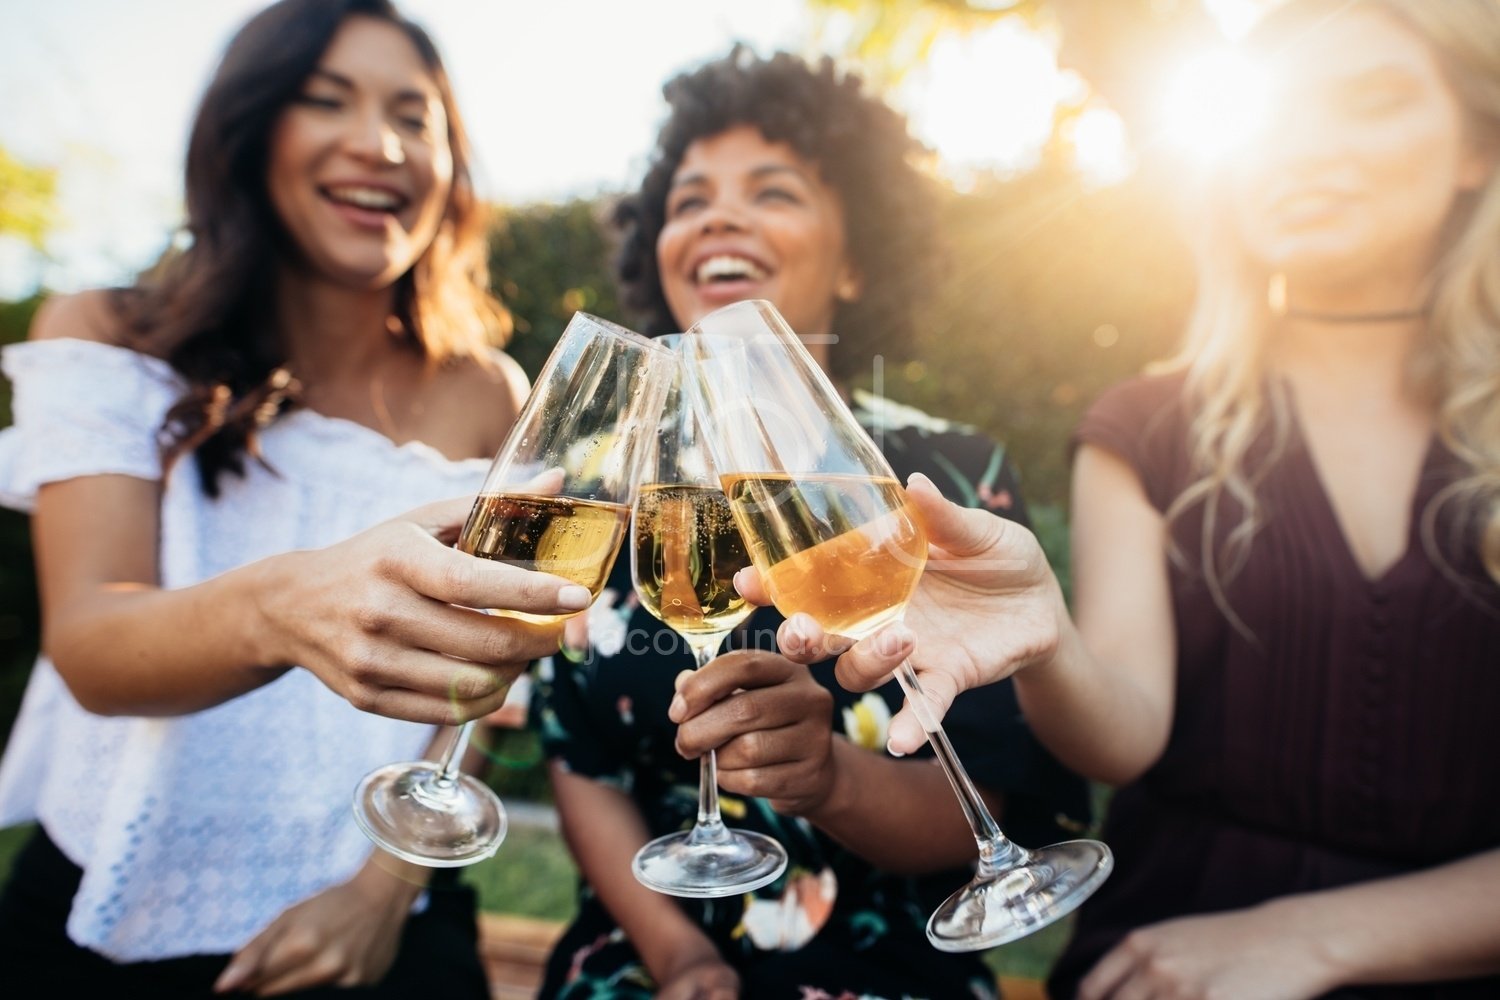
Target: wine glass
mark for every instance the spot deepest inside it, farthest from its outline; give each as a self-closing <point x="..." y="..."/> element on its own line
<point x="833" y="535"/>
<point x="556" y="500"/>
<point x="685" y="551"/>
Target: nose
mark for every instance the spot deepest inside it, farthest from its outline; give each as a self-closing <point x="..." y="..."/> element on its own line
<point x="371" y="138"/>
<point x="723" y="215"/>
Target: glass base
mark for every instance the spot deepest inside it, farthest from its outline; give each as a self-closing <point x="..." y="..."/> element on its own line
<point x="1004" y="907"/>
<point x="408" y="811"/>
<point x="706" y="867"/>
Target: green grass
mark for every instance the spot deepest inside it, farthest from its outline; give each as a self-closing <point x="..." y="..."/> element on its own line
<point x="532" y="875"/>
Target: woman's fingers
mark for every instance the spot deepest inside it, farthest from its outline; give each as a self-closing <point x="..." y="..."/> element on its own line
<point x="728" y="673"/>
<point x="458" y="578"/>
<point x="485" y="640"/>
<point x="869" y="663"/>
<point x="803" y="640"/>
<point x="748" y="583"/>
<point x="418" y="706"/>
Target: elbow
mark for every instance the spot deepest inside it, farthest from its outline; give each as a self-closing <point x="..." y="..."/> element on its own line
<point x="81" y="681"/>
<point x="93" y="698"/>
<point x="1125" y="766"/>
<point x="1117" y="773"/>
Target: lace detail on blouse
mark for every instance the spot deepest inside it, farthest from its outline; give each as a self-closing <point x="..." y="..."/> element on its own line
<point x="195" y="832"/>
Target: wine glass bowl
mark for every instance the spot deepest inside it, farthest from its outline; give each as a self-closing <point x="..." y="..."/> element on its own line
<point x="833" y="535"/>
<point x="556" y="499"/>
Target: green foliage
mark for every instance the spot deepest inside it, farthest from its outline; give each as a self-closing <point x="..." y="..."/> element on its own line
<point x="28" y="200"/>
<point x="546" y="263"/>
<point x="19" y="612"/>
<point x="1051" y="293"/>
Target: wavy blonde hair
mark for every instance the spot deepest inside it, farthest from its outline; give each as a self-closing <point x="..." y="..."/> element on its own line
<point x="1456" y="365"/>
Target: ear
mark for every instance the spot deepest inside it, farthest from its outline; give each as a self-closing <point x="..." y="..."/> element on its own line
<point x="850" y="284"/>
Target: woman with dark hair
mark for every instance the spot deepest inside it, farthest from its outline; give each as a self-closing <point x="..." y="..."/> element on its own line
<point x="205" y="455"/>
<point x="779" y="180"/>
<point x="1286" y="553"/>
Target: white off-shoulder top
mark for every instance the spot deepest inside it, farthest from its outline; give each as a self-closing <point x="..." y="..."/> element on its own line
<point x="194" y="832"/>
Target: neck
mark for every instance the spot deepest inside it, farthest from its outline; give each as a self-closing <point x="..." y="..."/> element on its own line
<point x="1354" y="356"/>
<point x="331" y="330"/>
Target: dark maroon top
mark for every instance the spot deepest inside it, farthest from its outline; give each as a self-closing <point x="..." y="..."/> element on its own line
<point x="1354" y="733"/>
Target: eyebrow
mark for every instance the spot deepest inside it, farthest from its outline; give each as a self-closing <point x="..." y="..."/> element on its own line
<point x="340" y="80"/>
<point x="757" y="173"/>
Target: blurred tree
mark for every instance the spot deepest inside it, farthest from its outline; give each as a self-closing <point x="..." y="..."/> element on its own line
<point x="19" y="612"/>
<point x="1121" y="47"/>
<point x="28" y="200"/>
<point x="546" y="263"/>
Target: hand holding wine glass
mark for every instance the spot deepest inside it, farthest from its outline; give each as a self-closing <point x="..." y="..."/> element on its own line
<point x="987" y="605"/>
<point x="685" y="552"/>
<point x="834" y="536"/>
<point x="556" y="500"/>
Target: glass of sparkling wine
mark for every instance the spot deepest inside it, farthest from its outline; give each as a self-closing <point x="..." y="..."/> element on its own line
<point x="833" y="535"/>
<point x="556" y="500"/>
<point x="685" y="550"/>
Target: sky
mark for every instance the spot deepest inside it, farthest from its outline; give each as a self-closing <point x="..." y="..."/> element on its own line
<point x="562" y="99"/>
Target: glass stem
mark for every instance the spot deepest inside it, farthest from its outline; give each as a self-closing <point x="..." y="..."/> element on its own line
<point x="453" y="756"/>
<point x="996" y="852"/>
<point x="710" y="827"/>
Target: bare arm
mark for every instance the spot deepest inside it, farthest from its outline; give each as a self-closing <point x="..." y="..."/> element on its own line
<point x="1305" y="945"/>
<point x="374" y="617"/>
<point x="604" y="830"/>
<point x="1103" y="702"/>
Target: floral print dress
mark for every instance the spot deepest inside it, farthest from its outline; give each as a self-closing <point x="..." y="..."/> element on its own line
<point x="832" y="926"/>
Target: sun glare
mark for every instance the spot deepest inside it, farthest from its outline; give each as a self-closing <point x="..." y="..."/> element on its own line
<point x="986" y="101"/>
<point x="1101" y="147"/>
<point x="1213" y="104"/>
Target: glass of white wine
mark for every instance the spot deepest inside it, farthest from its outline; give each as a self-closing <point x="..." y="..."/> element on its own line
<point x="557" y="500"/>
<point x="833" y="535"/>
<point x="685" y="550"/>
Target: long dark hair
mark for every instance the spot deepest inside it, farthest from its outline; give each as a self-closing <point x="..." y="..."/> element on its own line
<point x="862" y="149"/>
<point x="208" y="309"/>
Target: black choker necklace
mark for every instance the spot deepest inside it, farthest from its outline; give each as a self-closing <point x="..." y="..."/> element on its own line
<point x="1313" y="315"/>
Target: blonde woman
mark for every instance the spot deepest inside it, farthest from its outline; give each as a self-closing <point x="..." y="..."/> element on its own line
<point x="1286" y="543"/>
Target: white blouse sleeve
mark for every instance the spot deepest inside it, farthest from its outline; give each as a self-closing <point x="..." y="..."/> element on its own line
<point x="81" y="408"/>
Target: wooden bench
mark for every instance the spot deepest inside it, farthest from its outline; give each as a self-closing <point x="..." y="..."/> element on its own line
<point x="515" y="950"/>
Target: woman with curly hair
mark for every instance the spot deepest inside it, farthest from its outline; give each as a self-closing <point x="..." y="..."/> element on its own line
<point x="780" y="180"/>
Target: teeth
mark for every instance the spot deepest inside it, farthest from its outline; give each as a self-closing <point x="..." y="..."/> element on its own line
<point x="728" y="266"/>
<point x="366" y="197"/>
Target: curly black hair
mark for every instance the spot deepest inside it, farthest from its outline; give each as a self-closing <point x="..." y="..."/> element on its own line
<point x="862" y="150"/>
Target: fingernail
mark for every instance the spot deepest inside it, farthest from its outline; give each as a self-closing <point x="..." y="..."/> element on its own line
<point x="228" y="979"/>
<point x="739" y="580"/>
<point x="893" y="751"/>
<point x="681" y="679"/>
<point x="574" y="597"/>
<point x="677" y="708"/>
<point x="917" y="479"/>
<point x="798" y="629"/>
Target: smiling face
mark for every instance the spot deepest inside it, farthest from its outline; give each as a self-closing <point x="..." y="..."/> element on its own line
<point x="752" y="219"/>
<point x="1361" y="159"/>
<point x="360" y="163"/>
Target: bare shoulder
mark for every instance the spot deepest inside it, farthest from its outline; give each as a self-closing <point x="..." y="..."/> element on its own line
<point x="503" y="368"/>
<point x="89" y="315"/>
<point x="494" y="386"/>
